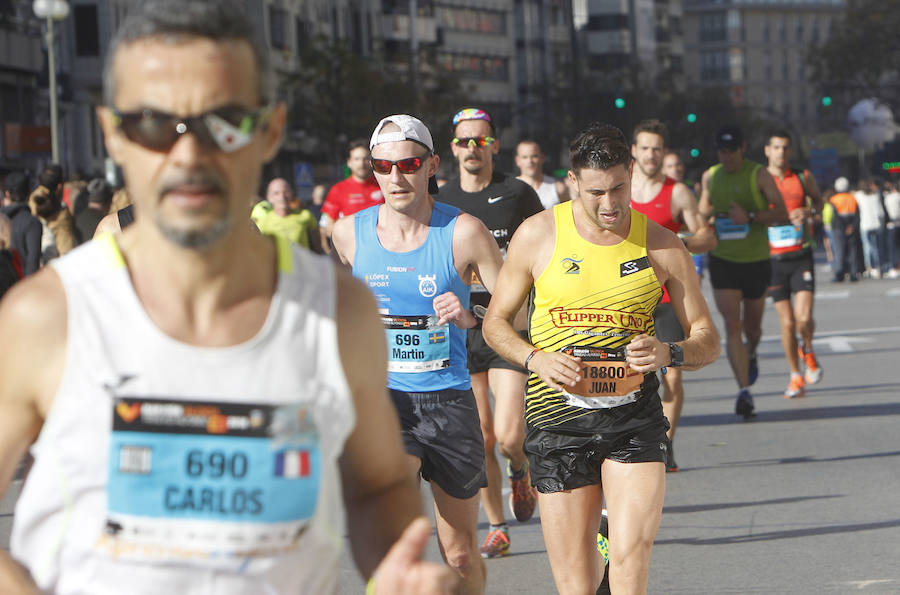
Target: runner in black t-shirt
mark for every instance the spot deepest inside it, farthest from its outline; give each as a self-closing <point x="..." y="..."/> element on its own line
<point x="501" y="202"/>
<point x="501" y="205"/>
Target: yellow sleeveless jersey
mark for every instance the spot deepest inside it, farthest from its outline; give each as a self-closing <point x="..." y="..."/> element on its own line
<point x="589" y="302"/>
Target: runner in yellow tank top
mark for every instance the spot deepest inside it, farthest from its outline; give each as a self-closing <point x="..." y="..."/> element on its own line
<point x="592" y="406"/>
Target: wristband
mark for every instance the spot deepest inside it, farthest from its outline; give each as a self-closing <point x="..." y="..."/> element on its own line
<point x="370" y="586"/>
<point x="528" y="359"/>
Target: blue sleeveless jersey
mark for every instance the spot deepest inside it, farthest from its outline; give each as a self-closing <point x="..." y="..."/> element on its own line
<point x="422" y="356"/>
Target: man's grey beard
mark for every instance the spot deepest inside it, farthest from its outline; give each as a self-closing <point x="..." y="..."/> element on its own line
<point x="194" y="239"/>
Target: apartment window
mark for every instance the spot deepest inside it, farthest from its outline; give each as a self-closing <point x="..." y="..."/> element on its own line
<point x="479" y="67"/>
<point x="712" y="27"/>
<point x="9" y="103"/>
<point x="87" y="36"/>
<point x="302" y="33"/>
<point x="472" y="20"/>
<point x="607" y="22"/>
<point x="799" y="34"/>
<point x="277" y="28"/>
<point x="714" y="66"/>
<point x="557" y="14"/>
<point x="766" y="33"/>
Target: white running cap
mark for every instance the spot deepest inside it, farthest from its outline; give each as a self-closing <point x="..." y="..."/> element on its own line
<point x="410" y="129"/>
<point x="842" y="184"/>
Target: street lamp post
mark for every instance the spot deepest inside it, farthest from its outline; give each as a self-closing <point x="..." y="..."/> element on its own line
<point x="52" y="10"/>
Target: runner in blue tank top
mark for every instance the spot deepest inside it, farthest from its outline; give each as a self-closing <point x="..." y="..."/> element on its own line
<point x="417" y="255"/>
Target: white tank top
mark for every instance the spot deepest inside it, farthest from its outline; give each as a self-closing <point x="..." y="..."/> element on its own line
<point x="168" y="468"/>
<point x="547" y="192"/>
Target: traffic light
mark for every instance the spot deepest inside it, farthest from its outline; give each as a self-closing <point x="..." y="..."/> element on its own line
<point x="695" y="152"/>
<point x="826" y="100"/>
<point x="620" y="102"/>
<point x="692" y="117"/>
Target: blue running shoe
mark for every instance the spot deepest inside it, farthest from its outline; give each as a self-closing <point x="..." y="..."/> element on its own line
<point x="753" y="370"/>
<point x="744" y="404"/>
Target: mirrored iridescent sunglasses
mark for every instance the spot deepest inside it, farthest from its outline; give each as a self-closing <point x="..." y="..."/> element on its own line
<point x="227" y="128"/>
<point x="473" y="141"/>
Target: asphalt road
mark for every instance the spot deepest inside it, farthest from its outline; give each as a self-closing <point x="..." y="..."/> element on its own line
<point x="804" y="499"/>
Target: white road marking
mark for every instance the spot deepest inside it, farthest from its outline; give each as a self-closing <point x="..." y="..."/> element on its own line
<point x="840" y="344"/>
<point x="865" y="584"/>
<point x="832" y="295"/>
<point x="837" y="341"/>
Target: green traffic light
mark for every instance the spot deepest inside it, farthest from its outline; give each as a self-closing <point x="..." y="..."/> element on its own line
<point x="620" y="103"/>
<point x="695" y="153"/>
<point x="826" y="101"/>
<point x="692" y="118"/>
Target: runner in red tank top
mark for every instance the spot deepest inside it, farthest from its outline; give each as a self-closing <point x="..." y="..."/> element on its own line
<point x="793" y="269"/>
<point x="672" y="205"/>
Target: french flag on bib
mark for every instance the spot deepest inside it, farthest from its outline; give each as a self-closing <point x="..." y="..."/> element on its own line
<point x="292" y="463"/>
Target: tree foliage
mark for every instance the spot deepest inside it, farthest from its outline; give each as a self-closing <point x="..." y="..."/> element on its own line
<point x="337" y="95"/>
<point x="862" y="52"/>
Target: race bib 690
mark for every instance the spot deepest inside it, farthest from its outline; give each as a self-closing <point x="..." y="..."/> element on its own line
<point x="208" y="480"/>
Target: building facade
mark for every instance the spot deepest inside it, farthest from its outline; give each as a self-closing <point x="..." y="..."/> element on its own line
<point x="24" y="127"/>
<point x="756" y="50"/>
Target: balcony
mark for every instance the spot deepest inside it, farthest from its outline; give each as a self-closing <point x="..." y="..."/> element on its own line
<point x="608" y="42"/>
<point x="396" y="28"/>
<point x="20" y="51"/>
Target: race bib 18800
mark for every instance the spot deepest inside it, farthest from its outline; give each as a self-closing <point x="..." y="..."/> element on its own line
<point x="209" y="480"/>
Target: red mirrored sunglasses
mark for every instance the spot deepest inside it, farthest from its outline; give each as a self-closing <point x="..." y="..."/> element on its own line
<point x="409" y="165"/>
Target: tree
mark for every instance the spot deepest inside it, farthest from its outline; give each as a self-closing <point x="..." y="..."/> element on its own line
<point x="862" y="52"/>
<point x="338" y="95"/>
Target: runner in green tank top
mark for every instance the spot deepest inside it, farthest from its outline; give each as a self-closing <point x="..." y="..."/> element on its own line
<point x="744" y="200"/>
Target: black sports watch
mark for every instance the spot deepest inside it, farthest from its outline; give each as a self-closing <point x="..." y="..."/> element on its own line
<point x="676" y="353"/>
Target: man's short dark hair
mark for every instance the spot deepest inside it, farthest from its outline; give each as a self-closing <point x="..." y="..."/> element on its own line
<point x="599" y="146"/>
<point x="779" y="133"/>
<point x="357" y="143"/>
<point x="653" y="127"/>
<point x="99" y="192"/>
<point x="51" y="177"/>
<point x="530" y="141"/>
<point x="17" y="185"/>
<point x="179" y="20"/>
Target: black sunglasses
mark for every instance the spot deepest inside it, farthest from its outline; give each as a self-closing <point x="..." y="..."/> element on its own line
<point x="226" y="128"/>
<point x="409" y="165"/>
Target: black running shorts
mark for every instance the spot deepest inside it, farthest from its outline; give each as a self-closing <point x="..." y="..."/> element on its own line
<point x="790" y="275"/>
<point x="442" y="428"/>
<point x="570" y="456"/>
<point x="482" y="358"/>
<point x="668" y="329"/>
<point x="752" y="278"/>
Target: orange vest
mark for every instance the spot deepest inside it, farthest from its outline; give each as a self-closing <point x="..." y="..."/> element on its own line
<point x="844" y="203"/>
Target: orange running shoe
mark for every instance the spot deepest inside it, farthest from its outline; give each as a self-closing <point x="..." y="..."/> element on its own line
<point x="795" y="388"/>
<point x="496" y="544"/>
<point x="813" y="370"/>
<point x="522" y="497"/>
